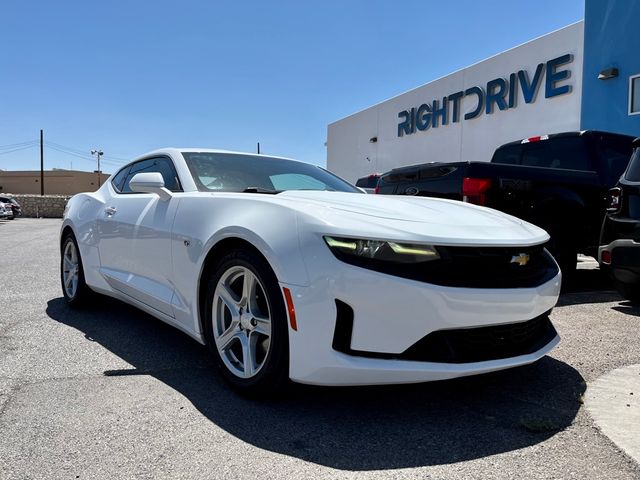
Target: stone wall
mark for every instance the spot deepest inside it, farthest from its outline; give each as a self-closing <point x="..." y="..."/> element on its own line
<point x="47" y="206"/>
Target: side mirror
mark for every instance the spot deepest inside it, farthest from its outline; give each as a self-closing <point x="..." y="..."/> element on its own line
<point x="149" y="182"/>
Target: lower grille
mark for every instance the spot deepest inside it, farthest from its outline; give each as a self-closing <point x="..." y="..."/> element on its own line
<point x="464" y="345"/>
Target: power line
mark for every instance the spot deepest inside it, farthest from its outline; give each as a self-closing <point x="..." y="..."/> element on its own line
<point x="84" y="157"/>
<point x="17" y="149"/>
<point x="76" y="150"/>
<point x="82" y="154"/>
<point x="110" y="160"/>
<point x="18" y="145"/>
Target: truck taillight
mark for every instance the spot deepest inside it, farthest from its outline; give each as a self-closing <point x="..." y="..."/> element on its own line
<point x="614" y="200"/>
<point x="377" y="189"/>
<point x="474" y="190"/>
<point x="535" y="139"/>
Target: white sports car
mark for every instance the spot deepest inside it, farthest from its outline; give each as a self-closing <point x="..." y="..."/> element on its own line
<point x="288" y="272"/>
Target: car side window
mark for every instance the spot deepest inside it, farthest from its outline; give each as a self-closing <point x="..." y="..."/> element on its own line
<point x="169" y="174"/>
<point x="118" y="179"/>
<point x="633" y="169"/>
<point x="138" y="167"/>
<point x="161" y="165"/>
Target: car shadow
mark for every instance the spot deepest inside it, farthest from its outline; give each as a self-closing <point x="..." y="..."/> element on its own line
<point x="587" y="285"/>
<point x="365" y="428"/>
<point x="628" y="308"/>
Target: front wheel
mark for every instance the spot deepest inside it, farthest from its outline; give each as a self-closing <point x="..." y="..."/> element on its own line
<point x="246" y="323"/>
<point x="74" y="288"/>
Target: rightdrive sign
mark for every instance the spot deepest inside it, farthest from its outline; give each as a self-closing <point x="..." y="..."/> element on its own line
<point x="499" y="92"/>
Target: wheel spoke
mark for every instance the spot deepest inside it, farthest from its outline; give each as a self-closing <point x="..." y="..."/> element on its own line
<point x="263" y="327"/>
<point x="68" y="264"/>
<point x="248" y="355"/>
<point x="68" y="279"/>
<point x="226" y="296"/>
<point x="248" y="289"/>
<point x="226" y="339"/>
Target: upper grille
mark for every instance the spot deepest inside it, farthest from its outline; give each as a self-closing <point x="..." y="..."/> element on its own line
<point x="492" y="267"/>
<point x="471" y="267"/>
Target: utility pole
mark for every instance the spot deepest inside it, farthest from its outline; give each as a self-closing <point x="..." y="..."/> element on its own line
<point x="258" y="148"/>
<point x="98" y="153"/>
<point x="41" y="163"/>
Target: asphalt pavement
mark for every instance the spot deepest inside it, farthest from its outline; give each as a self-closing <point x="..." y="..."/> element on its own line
<point x="110" y="392"/>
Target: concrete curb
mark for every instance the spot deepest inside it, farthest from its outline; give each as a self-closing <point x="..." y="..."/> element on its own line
<point x="613" y="401"/>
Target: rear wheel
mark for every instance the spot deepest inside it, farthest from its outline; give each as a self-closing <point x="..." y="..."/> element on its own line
<point x="74" y="288"/>
<point x="246" y="323"/>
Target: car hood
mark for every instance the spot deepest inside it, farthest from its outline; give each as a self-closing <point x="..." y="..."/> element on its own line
<point x="421" y="219"/>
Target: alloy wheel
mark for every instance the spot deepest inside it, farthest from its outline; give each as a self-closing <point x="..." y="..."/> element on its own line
<point x="241" y="322"/>
<point x="70" y="269"/>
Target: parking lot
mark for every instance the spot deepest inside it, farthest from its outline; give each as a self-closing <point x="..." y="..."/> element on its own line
<point x="110" y="392"/>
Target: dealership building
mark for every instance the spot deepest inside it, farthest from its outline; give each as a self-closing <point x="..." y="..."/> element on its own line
<point x="585" y="76"/>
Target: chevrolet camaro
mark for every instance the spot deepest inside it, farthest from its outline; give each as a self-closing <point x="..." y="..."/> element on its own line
<point x="285" y="271"/>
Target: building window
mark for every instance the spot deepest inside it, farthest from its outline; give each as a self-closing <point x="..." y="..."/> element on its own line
<point x="634" y="95"/>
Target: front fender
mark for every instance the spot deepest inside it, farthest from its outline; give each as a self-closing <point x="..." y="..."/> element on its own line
<point x="203" y="221"/>
<point x="282" y="252"/>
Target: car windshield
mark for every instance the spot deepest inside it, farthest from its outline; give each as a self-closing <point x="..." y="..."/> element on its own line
<point x="230" y="172"/>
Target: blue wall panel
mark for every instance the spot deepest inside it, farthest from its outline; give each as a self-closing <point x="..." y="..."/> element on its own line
<point x="611" y="39"/>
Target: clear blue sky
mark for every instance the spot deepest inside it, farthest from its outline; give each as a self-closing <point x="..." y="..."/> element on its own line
<point x="129" y="77"/>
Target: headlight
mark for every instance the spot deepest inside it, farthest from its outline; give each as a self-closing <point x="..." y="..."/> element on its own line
<point x="381" y="250"/>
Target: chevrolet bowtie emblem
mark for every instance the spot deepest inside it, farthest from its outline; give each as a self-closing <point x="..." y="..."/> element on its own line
<point x="521" y="259"/>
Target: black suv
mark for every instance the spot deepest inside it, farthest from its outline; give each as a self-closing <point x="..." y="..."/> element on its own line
<point x="619" y="251"/>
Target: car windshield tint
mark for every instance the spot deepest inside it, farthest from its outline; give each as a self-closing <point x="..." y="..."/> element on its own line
<point x="229" y="172"/>
<point x="633" y="170"/>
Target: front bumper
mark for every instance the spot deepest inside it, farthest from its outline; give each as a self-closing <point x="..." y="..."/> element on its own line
<point x="391" y="314"/>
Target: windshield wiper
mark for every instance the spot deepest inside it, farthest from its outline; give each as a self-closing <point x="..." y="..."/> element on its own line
<point x="261" y="190"/>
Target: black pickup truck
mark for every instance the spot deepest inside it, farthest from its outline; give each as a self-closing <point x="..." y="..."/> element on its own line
<point x="558" y="182"/>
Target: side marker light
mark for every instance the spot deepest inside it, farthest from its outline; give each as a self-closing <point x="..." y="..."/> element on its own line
<point x="290" y="308"/>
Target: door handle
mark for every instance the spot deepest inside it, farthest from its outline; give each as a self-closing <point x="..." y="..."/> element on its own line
<point x="110" y="211"/>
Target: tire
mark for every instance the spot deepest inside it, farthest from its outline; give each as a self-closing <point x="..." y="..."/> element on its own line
<point x="245" y="324"/>
<point x="630" y="291"/>
<point x="74" y="288"/>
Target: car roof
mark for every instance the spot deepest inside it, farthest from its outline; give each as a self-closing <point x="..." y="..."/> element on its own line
<point x="172" y="151"/>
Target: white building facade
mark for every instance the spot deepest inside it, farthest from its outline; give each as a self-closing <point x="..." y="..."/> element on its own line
<point x="532" y="89"/>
